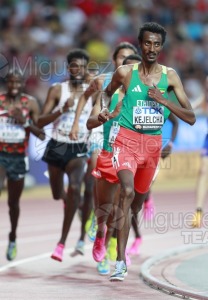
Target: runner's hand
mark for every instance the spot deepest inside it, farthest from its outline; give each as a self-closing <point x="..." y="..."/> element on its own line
<point x="166" y="151"/>
<point x="74" y="132"/>
<point x="104" y="115"/>
<point x="16" y="113"/>
<point x="156" y="94"/>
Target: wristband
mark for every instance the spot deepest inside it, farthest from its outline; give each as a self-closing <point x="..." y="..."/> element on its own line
<point x="61" y="110"/>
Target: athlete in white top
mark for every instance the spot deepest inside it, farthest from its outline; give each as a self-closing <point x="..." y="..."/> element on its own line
<point x="62" y="154"/>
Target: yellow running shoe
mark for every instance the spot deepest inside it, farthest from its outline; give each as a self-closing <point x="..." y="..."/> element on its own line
<point x="11" y="251"/>
<point x="89" y="221"/>
<point x="91" y="227"/>
<point x="197" y="219"/>
<point x="112" y="249"/>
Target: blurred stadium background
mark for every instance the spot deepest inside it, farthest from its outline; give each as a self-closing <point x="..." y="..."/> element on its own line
<point x="37" y="35"/>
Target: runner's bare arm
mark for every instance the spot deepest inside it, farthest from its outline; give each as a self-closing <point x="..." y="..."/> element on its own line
<point x="34" y="110"/>
<point x="166" y="151"/>
<point x="92" y="90"/>
<point x="52" y="100"/>
<point x="118" y="79"/>
<point x="93" y="122"/>
<point x="34" y="114"/>
<point x="38" y="132"/>
<point x="81" y="104"/>
<point x="183" y="111"/>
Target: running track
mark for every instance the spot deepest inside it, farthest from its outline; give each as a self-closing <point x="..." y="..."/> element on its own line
<point x="33" y="275"/>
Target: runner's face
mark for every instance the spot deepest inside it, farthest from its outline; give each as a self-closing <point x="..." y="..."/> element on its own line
<point x="14" y="85"/>
<point x="122" y="54"/>
<point x="77" y="70"/>
<point x="151" y="46"/>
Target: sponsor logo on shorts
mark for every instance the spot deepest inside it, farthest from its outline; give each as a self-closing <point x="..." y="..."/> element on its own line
<point x="81" y="154"/>
<point x="127" y="164"/>
<point x="21" y="176"/>
<point x="96" y="173"/>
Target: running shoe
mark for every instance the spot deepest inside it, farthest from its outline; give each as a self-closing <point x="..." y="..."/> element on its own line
<point x="112" y="249"/>
<point x="120" y="271"/>
<point x="89" y="221"/>
<point x="149" y="209"/>
<point x="134" y="249"/>
<point x="99" y="250"/>
<point x="91" y="227"/>
<point x="58" y="252"/>
<point x="103" y="267"/>
<point x="11" y="251"/>
<point x="197" y="219"/>
<point x="80" y="247"/>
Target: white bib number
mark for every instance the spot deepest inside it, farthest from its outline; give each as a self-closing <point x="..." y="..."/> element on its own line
<point x="113" y="132"/>
<point x="148" y="118"/>
<point x="12" y="133"/>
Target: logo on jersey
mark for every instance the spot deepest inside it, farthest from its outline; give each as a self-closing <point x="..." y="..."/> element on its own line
<point x="137" y="89"/>
<point x="138" y="111"/>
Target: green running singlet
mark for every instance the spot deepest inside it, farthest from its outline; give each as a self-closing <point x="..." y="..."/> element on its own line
<point x="140" y="110"/>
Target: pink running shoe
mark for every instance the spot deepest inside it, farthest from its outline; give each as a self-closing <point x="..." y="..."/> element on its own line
<point x="99" y="249"/>
<point x="149" y="209"/>
<point x="58" y="252"/>
<point x="135" y="247"/>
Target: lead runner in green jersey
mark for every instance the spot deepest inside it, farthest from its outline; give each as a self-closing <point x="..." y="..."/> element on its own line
<point x="145" y="105"/>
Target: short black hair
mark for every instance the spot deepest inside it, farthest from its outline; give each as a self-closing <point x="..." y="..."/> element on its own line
<point x="132" y="57"/>
<point x="152" y="27"/>
<point x="124" y="45"/>
<point x="77" y="53"/>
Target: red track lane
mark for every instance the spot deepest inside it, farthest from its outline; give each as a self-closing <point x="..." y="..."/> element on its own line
<point x="34" y="275"/>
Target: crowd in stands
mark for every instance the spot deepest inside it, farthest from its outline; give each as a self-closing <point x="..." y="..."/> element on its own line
<point x="36" y="35"/>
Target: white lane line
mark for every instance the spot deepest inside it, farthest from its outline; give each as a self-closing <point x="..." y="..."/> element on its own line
<point x="24" y="261"/>
<point x="52" y="237"/>
<point x="36" y="258"/>
<point x="69" y="250"/>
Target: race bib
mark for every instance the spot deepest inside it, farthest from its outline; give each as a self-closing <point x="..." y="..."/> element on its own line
<point x="113" y="132"/>
<point x="65" y="125"/>
<point x="12" y="133"/>
<point x="148" y="117"/>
